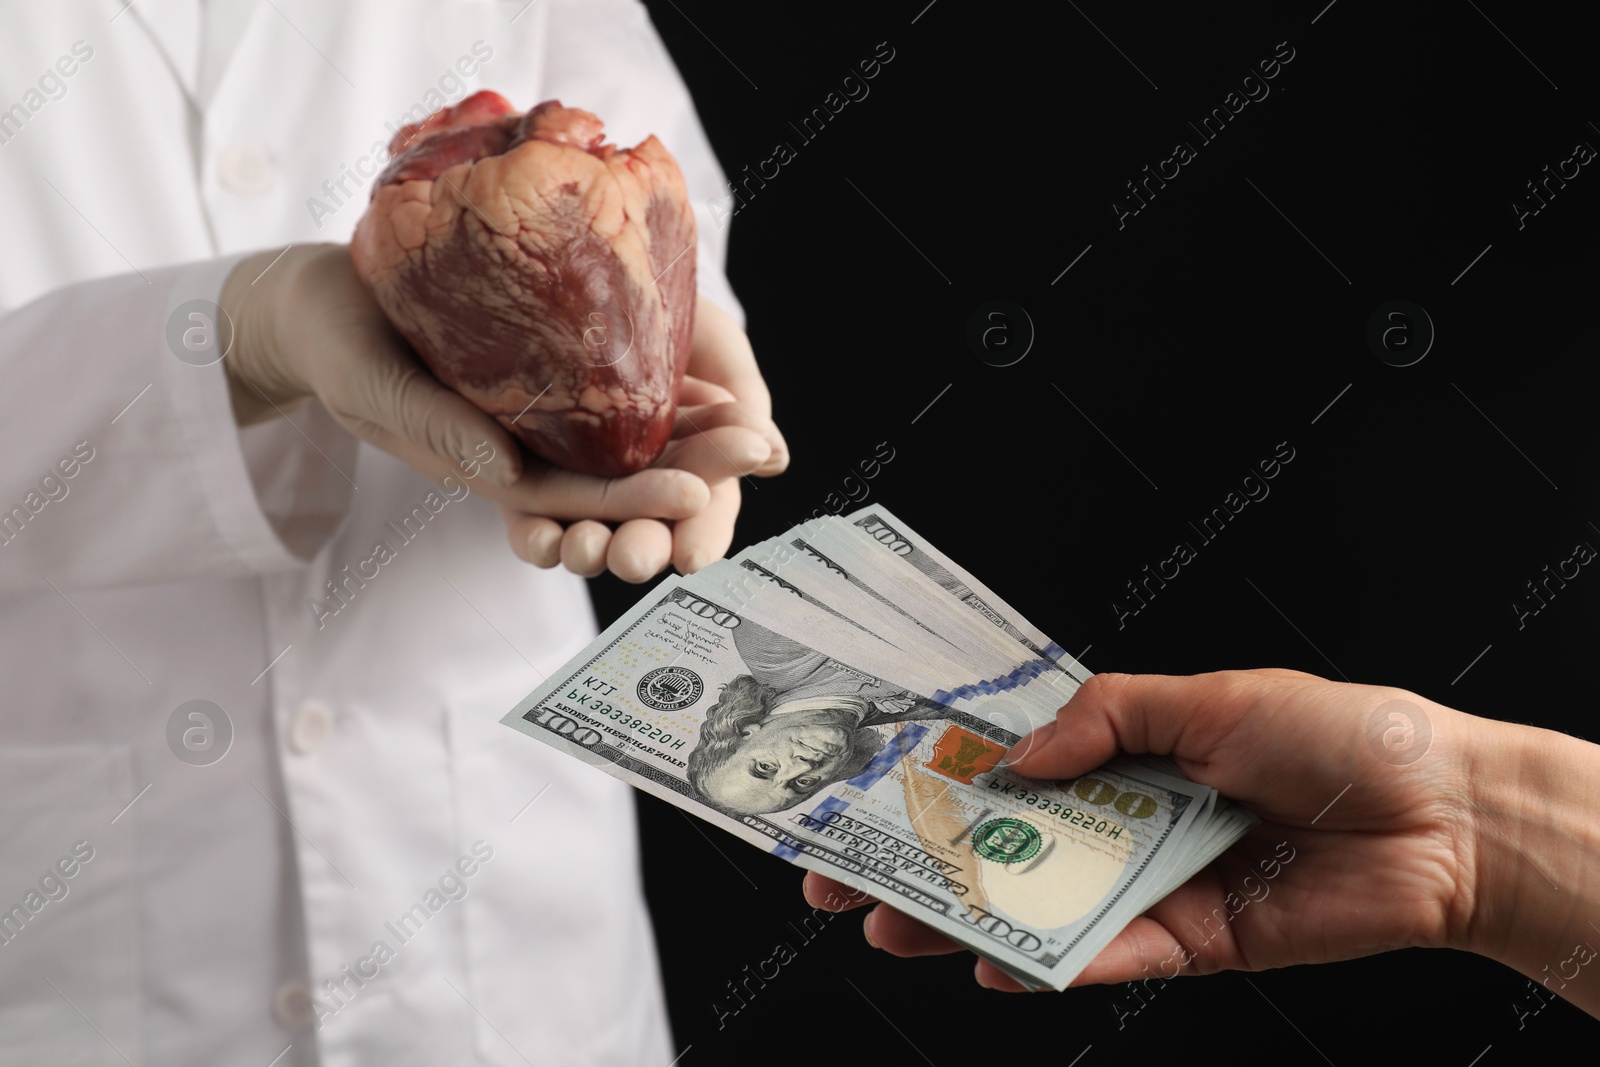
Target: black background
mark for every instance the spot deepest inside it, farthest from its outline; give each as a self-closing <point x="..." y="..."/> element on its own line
<point x="1196" y="337"/>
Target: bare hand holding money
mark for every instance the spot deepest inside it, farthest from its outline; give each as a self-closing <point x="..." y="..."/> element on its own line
<point x="1390" y="821"/>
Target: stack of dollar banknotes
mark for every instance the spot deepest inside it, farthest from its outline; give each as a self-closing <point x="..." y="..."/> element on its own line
<point x="844" y="696"/>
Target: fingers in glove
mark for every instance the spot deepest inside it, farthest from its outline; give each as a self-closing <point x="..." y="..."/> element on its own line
<point x="705" y="538"/>
<point x="451" y="426"/>
<point x="693" y="419"/>
<point x="583" y="548"/>
<point x="720" y="353"/>
<point x="534" y="538"/>
<point x="391" y="401"/>
<point x="723" y="452"/>
<point x="656" y="493"/>
<point x="697" y="391"/>
<point x="640" y="549"/>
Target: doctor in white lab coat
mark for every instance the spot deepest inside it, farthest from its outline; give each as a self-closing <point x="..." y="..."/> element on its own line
<point x="250" y="807"/>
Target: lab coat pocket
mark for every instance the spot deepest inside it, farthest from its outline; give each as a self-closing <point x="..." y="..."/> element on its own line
<point x="68" y="925"/>
<point x="560" y="955"/>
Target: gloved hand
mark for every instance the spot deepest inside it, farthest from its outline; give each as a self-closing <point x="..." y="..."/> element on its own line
<point x="308" y="327"/>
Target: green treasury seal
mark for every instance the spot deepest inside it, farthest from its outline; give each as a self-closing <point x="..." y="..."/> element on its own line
<point x="1007" y="840"/>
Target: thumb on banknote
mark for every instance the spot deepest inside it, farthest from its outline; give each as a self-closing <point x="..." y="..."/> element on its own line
<point x="1189" y="718"/>
<point x="1109" y="713"/>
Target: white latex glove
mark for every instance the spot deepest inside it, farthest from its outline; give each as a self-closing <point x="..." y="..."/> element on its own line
<point x="724" y="432"/>
<point x="309" y="327"/>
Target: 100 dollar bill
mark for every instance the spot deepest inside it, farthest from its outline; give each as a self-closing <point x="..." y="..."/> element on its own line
<point x="819" y="758"/>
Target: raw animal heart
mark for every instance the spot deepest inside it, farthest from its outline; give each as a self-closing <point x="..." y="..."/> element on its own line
<point x="543" y="274"/>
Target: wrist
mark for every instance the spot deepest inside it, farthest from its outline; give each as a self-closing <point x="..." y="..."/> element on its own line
<point x="1536" y="891"/>
<point x="259" y="296"/>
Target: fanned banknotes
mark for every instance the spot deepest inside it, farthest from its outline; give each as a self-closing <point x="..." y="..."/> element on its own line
<point x="843" y="697"/>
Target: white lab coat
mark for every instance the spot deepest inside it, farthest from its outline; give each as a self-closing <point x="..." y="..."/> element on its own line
<point x="207" y="905"/>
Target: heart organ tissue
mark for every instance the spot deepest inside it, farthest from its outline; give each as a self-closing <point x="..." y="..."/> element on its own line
<point x="543" y="274"/>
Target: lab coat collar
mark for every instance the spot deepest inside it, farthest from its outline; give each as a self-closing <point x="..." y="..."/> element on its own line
<point x="176" y="27"/>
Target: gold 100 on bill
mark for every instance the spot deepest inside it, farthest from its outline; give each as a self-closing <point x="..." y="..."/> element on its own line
<point x="760" y="709"/>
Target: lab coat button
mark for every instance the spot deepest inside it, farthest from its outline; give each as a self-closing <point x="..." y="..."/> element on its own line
<point x="310" y="729"/>
<point x="246" y="169"/>
<point x="292" y="1006"/>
